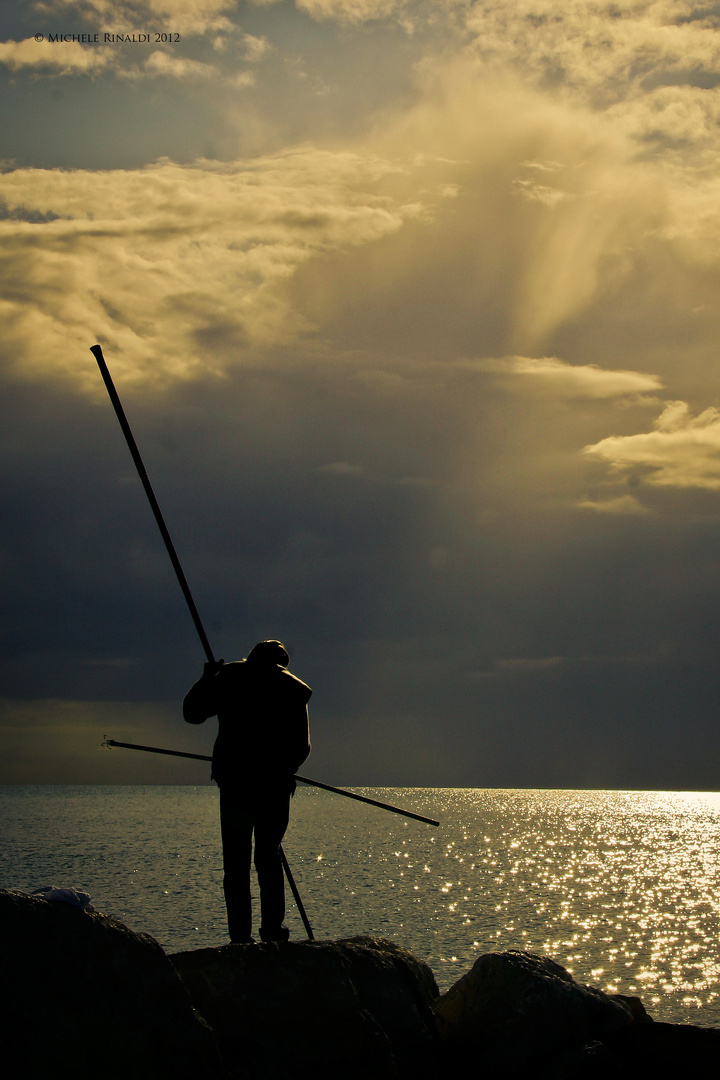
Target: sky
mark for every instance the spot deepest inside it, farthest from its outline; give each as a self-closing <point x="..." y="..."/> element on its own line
<point x="413" y="309"/>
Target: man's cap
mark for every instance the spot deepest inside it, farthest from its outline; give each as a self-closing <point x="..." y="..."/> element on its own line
<point x="269" y="652"/>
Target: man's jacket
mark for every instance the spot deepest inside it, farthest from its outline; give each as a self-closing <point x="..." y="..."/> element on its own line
<point x="263" y="734"/>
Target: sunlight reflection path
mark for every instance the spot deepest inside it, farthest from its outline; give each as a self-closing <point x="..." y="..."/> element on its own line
<point x="620" y="887"/>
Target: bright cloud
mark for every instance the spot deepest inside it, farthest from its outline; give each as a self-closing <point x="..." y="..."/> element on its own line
<point x="621" y="506"/>
<point x="581" y="380"/>
<point x="347" y="11"/>
<point x="175" y="267"/>
<point x="683" y="450"/>
<point x="60" y="58"/>
<point x="566" y="234"/>
<point x="177" y="67"/>
<point x="255" y="49"/>
<point x="551" y="211"/>
<point x="350" y="10"/>
<point x="605" y="50"/>
<point x="185" y="16"/>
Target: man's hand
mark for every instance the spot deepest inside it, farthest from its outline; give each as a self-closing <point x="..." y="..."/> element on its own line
<point x="211" y="668"/>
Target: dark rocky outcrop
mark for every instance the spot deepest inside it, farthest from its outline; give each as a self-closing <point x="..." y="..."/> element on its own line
<point x="83" y="996"/>
<point x="515" y="1008"/>
<point x="518" y="1016"/>
<point x="352" y="1009"/>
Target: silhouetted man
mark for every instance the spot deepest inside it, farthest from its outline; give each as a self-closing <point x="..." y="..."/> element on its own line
<point x="263" y="738"/>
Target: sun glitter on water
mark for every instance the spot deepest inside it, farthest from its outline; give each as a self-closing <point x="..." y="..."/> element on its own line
<point x="622" y="888"/>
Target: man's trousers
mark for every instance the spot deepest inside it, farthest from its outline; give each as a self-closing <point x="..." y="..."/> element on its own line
<point x="264" y="813"/>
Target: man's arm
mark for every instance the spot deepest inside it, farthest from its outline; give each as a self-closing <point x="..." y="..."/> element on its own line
<point x="201" y="699"/>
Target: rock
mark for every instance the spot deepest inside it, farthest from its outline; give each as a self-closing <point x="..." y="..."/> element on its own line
<point x="592" y="1062"/>
<point x="85" y="996"/>
<point x="634" y="1006"/>
<point x="667" y="1051"/>
<point x="514" y="1008"/>
<point x="288" y="1011"/>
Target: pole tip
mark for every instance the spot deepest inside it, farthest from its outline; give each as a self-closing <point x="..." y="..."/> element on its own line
<point x="96" y="351"/>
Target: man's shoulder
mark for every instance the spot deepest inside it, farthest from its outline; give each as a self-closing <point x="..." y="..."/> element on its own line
<point x="295" y="685"/>
<point x="238" y="676"/>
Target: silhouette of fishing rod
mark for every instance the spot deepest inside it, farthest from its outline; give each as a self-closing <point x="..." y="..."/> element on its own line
<point x="300" y="779"/>
<point x="132" y="446"/>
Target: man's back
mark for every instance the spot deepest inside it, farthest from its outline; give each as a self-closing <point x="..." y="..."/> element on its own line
<point x="262" y="720"/>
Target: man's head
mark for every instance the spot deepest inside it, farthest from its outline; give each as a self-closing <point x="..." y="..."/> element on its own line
<point x="269" y="652"/>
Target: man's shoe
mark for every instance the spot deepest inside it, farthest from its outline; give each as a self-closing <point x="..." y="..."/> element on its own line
<point x="280" y="934"/>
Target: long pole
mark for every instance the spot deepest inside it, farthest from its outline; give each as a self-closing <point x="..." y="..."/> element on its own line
<point x="132" y="446"/>
<point x="97" y="352"/>
<point x="302" y="779"/>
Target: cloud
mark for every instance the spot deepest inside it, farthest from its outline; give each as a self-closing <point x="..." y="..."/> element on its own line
<point x="621" y="505"/>
<point x="255" y="49"/>
<point x="352" y="11"/>
<point x="551" y="212"/>
<point x="549" y="196"/>
<point x="683" y="451"/>
<point x="559" y="239"/>
<point x="574" y="380"/>
<point x="58" y="58"/>
<point x="177" y="67"/>
<point x="606" y="52"/>
<point x="342" y="468"/>
<point x="188" y="17"/>
<point x="346" y="11"/>
<point x="174" y="267"/>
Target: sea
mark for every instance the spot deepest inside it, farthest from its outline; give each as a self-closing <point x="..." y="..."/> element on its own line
<point x="620" y="887"/>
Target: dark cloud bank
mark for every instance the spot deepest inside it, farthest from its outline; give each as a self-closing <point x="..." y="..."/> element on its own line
<point x="455" y="632"/>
